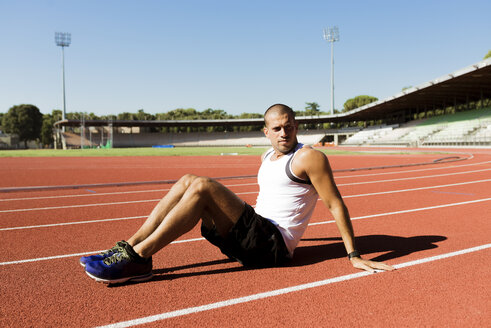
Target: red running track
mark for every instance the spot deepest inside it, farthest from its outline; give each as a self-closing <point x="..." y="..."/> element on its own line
<point x="431" y="221"/>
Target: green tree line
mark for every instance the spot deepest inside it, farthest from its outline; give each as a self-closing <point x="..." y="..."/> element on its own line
<point x="29" y="123"/>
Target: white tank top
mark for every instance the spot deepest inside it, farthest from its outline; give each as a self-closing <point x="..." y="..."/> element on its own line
<point x="285" y="199"/>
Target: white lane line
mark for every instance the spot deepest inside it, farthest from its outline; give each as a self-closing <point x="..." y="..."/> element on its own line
<point x="408" y="211"/>
<point x="77" y="206"/>
<point x="243" y="193"/>
<point x="412" y="178"/>
<point x="282" y="291"/>
<point x="409" y="171"/>
<point x="233" y="185"/>
<point x="54" y="257"/>
<point x="416" y="189"/>
<point x="310" y="224"/>
<point x="107" y="193"/>
<point x="96" y="204"/>
<point x="72" y="223"/>
<point x="346" y="196"/>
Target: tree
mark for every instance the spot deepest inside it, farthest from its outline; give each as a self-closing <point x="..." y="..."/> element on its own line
<point x="57" y="115"/>
<point x="142" y="116"/>
<point x="49" y="120"/>
<point x="358" y="101"/>
<point x="488" y="55"/>
<point x="312" y="108"/>
<point x="25" y="121"/>
<point x="47" y="130"/>
<point x="125" y="116"/>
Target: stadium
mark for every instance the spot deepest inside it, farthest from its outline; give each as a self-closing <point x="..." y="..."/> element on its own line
<point x="467" y="92"/>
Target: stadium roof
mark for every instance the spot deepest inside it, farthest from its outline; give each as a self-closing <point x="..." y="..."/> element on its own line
<point x="468" y="84"/>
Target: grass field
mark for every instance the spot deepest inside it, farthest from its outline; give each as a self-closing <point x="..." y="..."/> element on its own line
<point x="181" y="151"/>
<point x="178" y="151"/>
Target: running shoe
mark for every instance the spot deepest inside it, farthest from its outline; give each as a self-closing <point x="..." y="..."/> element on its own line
<point x="120" y="267"/>
<point x="101" y="256"/>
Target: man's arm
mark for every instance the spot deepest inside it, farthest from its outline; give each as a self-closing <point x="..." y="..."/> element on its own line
<point x="315" y="165"/>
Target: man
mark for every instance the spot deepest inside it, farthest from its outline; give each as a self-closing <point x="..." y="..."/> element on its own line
<point x="291" y="178"/>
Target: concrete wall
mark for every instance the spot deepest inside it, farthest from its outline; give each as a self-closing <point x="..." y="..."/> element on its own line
<point x="255" y="138"/>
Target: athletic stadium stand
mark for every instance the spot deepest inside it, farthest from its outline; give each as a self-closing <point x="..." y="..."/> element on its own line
<point x="471" y="128"/>
<point x="465" y="91"/>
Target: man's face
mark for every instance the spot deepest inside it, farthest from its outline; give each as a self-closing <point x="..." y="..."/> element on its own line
<point x="281" y="130"/>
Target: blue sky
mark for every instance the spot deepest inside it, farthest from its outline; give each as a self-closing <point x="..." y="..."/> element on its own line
<point x="239" y="56"/>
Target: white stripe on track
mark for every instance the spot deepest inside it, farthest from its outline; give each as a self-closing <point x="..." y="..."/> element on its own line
<point x="416" y="189"/>
<point x="409" y="171"/>
<point x="234" y="185"/>
<point x="54" y="257"/>
<point x="252" y="192"/>
<point x="72" y="223"/>
<point x="310" y="224"/>
<point x="282" y="291"/>
<point x="96" y="204"/>
<point x="77" y="206"/>
<point x="243" y="193"/>
<point x="411" y="178"/>
<point x="107" y="193"/>
<point x="407" y="211"/>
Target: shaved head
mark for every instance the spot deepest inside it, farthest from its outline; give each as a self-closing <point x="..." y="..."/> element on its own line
<point x="278" y="109"/>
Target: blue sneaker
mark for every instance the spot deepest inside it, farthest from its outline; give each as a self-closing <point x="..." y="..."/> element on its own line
<point x="120" y="267"/>
<point x="116" y="249"/>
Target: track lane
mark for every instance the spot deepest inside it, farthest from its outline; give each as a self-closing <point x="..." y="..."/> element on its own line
<point x="347" y="190"/>
<point x="326" y="260"/>
<point x="379" y="301"/>
<point x="359" y="206"/>
<point x="186" y="277"/>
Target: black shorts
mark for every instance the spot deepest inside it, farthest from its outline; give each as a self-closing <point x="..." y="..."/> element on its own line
<point x="253" y="241"/>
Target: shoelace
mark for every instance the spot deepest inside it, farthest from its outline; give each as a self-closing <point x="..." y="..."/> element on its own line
<point x="116" y="257"/>
<point x="115" y="249"/>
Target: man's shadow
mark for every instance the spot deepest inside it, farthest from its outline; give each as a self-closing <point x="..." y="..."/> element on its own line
<point x="391" y="246"/>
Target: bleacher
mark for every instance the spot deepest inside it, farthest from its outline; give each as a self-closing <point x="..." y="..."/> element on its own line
<point x="470" y="128"/>
<point x="370" y="135"/>
<point x="461" y="129"/>
<point x="482" y="135"/>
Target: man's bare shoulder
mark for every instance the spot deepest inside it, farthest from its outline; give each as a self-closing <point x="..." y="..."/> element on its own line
<point x="307" y="153"/>
<point x="309" y="159"/>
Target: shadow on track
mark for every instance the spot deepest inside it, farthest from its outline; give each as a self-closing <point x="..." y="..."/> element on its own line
<point x="392" y="247"/>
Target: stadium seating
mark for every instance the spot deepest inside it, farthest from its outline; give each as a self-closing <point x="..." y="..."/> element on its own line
<point x="371" y="135"/>
<point x="470" y="128"/>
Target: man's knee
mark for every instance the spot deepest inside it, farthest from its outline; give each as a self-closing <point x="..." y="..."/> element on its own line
<point x="201" y="185"/>
<point x="186" y="180"/>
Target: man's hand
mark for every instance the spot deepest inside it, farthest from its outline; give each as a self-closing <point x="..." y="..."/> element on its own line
<point x="370" y="266"/>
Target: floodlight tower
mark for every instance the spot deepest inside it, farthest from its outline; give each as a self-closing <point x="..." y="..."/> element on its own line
<point x="331" y="34"/>
<point x="63" y="40"/>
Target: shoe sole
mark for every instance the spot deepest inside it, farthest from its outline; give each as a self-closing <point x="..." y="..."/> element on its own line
<point x="141" y="278"/>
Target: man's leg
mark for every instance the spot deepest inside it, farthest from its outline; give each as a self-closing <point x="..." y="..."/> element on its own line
<point x="152" y="222"/>
<point x="163" y="207"/>
<point x="203" y="198"/>
<point x="192" y="199"/>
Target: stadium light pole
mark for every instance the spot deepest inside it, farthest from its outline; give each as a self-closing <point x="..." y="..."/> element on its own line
<point x="331" y="34"/>
<point x="63" y="40"/>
